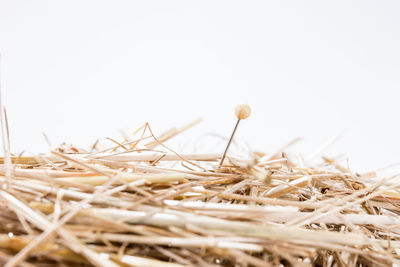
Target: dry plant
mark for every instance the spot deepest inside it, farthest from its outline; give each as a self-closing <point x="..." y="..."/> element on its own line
<point x="139" y="203"/>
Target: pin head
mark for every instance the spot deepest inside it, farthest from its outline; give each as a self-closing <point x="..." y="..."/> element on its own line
<point x="242" y="111"/>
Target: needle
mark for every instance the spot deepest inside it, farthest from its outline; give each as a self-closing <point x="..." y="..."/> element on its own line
<point x="242" y="112"/>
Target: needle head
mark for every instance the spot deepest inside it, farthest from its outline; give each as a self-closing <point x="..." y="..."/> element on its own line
<point x="242" y="111"/>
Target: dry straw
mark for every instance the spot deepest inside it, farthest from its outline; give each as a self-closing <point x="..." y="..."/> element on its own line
<point x="140" y="203"/>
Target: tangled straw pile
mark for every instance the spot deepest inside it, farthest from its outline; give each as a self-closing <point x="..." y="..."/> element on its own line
<point x="142" y="204"/>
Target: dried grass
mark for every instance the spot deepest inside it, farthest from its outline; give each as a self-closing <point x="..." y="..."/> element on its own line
<point x="127" y="205"/>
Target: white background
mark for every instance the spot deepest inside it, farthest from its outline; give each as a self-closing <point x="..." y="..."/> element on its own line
<point x="79" y="70"/>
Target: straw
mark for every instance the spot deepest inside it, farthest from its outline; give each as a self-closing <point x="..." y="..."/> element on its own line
<point x="139" y="202"/>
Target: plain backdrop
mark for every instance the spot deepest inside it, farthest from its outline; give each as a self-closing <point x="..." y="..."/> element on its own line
<point x="82" y="70"/>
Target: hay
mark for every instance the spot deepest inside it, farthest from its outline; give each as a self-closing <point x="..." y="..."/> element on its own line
<point x="139" y="203"/>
